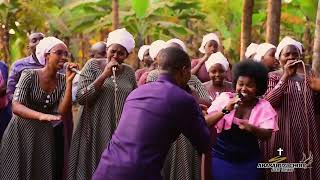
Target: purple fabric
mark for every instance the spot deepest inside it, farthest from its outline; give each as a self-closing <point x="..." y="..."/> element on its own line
<point x="5" y="113"/>
<point x="4" y="70"/>
<point x="153" y="117"/>
<point x="16" y="70"/>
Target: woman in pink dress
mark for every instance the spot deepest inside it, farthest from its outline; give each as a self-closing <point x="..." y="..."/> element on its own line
<point x="241" y="120"/>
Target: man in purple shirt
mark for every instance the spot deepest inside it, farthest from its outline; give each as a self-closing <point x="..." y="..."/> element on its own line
<point x="30" y="62"/>
<point x="153" y="117"/>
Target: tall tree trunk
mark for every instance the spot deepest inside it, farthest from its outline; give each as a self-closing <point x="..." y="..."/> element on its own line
<point x="246" y="23"/>
<point x="307" y="42"/>
<point x="115" y="14"/>
<point x="316" y="46"/>
<point x="273" y="21"/>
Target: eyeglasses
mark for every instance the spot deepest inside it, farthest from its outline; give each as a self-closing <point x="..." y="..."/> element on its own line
<point x="61" y="53"/>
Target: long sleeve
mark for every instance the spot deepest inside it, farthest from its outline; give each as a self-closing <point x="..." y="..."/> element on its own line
<point x="194" y="127"/>
<point x="275" y="91"/>
<point x="86" y="91"/>
<point x="12" y="81"/>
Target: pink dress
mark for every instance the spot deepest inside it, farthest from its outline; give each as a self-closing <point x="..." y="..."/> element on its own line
<point x="262" y="115"/>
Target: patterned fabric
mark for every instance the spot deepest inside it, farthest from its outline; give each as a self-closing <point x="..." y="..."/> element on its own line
<point x="98" y="120"/>
<point x="32" y="149"/>
<point x="288" y="100"/>
<point x="182" y="162"/>
<point x="16" y="70"/>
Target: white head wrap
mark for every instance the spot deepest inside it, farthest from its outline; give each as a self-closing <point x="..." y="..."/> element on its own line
<point x="251" y="49"/>
<point x="177" y="41"/>
<point x="156" y="47"/>
<point x="217" y="58"/>
<point x="44" y="46"/>
<point x="286" y="41"/>
<point x="262" y="50"/>
<point x="207" y="38"/>
<point x="122" y="37"/>
<point x="142" y="50"/>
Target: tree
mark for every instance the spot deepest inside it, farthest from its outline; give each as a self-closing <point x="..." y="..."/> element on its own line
<point x="273" y="21"/>
<point x="246" y="26"/>
<point x="115" y="14"/>
<point x="316" y="47"/>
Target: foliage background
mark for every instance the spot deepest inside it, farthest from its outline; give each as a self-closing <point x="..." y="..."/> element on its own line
<point x="81" y="23"/>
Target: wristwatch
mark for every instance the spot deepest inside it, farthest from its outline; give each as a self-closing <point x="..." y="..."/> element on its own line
<point x="225" y="111"/>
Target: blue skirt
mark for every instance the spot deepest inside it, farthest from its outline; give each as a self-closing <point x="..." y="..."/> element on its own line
<point x="222" y="170"/>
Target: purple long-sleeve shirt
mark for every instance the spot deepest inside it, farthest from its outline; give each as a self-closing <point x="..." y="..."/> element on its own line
<point x="153" y="117"/>
<point x="16" y="70"/>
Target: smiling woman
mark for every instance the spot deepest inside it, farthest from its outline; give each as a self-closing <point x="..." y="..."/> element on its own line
<point x="235" y="154"/>
<point x="32" y="145"/>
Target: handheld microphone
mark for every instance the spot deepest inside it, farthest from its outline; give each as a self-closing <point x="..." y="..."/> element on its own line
<point x="236" y="106"/>
<point x="65" y="66"/>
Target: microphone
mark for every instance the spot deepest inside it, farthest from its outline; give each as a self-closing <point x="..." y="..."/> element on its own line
<point x="65" y="66"/>
<point x="236" y="106"/>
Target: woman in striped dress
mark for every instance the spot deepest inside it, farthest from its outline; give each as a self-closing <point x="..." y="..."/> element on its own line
<point x="297" y="108"/>
<point x="32" y="145"/>
<point x="103" y="103"/>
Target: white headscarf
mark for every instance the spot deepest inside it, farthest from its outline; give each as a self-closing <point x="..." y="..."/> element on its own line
<point x="217" y="58"/>
<point x="156" y="47"/>
<point x="251" y="49"/>
<point x="122" y="37"/>
<point x="142" y="50"/>
<point x="207" y="38"/>
<point x="262" y="50"/>
<point x="177" y="41"/>
<point x="44" y="46"/>
<point x="286" y="41"/>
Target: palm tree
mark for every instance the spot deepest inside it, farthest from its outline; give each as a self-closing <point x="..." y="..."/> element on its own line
<point x="273" y="21"/>
<point x="316" y="47"/>
<point x="246" y="26"/>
